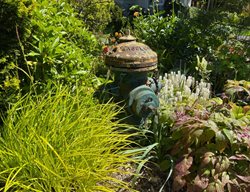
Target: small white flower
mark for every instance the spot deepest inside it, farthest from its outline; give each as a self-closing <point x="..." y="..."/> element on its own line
<point x="189" y="81"/>
<point x="177" y="86"/>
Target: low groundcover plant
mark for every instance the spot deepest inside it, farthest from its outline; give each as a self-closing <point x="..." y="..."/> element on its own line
<point x="208" y="138"/>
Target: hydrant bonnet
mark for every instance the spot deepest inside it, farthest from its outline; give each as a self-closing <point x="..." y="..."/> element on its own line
<point x="131" y="56"/>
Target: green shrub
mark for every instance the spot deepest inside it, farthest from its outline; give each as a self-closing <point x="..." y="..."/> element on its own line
<point x="62" y="141"/>
<point x="14" y="15"/>
<point x="61" y="48"/>
<point x="179" y="39"/>
<point x="14" y="19"/>
<point x="95" y="13"/>
<point x="45" y="42"/>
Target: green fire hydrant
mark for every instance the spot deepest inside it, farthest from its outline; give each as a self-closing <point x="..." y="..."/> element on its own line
<point x="131" y="61"/>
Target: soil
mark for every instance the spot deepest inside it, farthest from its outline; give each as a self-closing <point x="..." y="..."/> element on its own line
<point x="151" y="180"/>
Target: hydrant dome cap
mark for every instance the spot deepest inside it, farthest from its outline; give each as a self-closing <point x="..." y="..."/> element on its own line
<point x="131" y="56"/>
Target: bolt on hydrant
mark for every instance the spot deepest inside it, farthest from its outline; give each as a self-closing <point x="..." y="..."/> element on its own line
<point x="131" y="62"/>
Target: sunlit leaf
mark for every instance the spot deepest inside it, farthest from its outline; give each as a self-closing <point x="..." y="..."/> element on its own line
<point x="221" y="142"/>
<point x="229" y="134"/>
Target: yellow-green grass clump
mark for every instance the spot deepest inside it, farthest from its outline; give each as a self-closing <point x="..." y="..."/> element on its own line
<point x="62" y="141"/>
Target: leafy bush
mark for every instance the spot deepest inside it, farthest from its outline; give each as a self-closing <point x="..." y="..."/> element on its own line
<point x="47" y="43"/>
<point x="96" y="14"/>
<point x="210" y="34"/>
<point x="157" y="31"/>
<point x="62" y="141"/>
<point x="14" y="19"/>
<point x="212" y="148"/>
<point x="238" y="91"/>
<point x="14" y="14"/>
<point x="61" y="47"/>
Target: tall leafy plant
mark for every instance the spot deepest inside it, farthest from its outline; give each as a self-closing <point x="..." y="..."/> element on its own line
<point x="43" y="42"/>
<point x="60" y="47"/>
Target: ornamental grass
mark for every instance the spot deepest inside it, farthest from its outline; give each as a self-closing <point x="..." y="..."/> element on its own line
<point x="62" y="141"/>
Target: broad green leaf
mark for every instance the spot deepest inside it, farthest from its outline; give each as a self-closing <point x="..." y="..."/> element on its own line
<point x="216" y="100"/>
<point x="197" y="133"/>
<point x="211" y="125"/>
<point x="237" y="111"/>
<point x="229" y="134"/>
<point x="221" y="142"/>
<point x="207" y="135"/>
<point x="32" y="54"/>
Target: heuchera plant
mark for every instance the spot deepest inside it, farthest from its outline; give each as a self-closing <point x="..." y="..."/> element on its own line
<point x="210" y="143"/>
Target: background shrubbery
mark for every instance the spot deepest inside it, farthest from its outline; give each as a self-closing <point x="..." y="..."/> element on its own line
<point x="212" y="34"/>
<point x="206" y="137"/>
<point x="95" y="13"/>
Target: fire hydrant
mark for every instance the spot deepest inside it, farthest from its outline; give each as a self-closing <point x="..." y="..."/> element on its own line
<point x="130" y="62"/>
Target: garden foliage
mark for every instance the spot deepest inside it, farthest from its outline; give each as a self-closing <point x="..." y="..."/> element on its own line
<point x="212" y="34"/>
<point x="60" y="47"/>
<point x="46" y="42"/>
<point x="95" y="13"/>
<point x="62" y="141"/>
<point x="14" y="17"/>
<point x="208" y="138"/>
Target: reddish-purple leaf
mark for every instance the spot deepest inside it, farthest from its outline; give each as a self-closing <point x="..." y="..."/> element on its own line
<point x="178" y="183"/>
<point x="239" y="157"/>
<point x="244" y="178"/>
<point x="221" y="142"/>
<point x="182" y="167"/>
<point x="200" y="183"/>
<point x="180" y="170"/>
